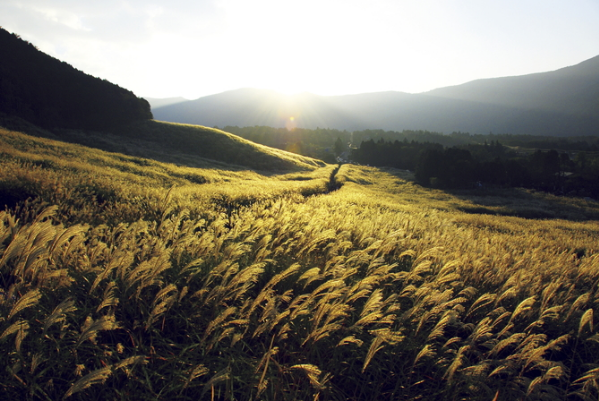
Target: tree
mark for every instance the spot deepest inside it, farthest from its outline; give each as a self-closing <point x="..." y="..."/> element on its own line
<point x="429" y="166"/>
<point x="339" y="147"/>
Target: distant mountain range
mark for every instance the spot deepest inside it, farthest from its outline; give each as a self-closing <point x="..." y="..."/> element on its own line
<point x="564" y="102"/>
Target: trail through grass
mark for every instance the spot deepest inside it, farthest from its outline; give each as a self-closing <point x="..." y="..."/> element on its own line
<point x="126" y="278"/>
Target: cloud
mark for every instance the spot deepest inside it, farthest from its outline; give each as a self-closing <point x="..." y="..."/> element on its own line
<point x="130" y="21"/>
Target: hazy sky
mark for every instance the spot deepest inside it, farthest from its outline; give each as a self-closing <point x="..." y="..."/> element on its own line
<point x="194" y="48"/>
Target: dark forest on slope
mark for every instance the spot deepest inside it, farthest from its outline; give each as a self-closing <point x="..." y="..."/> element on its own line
<point x="52" y="94"/>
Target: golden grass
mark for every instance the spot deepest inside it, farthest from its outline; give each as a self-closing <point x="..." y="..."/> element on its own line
<point x="126" y="279"/>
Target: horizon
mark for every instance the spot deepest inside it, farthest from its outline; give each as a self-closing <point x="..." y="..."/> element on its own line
<point x="291" y="94"/>
<point x="333" y="48"/>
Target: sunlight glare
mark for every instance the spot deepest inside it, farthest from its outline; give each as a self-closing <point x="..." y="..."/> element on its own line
<point x="290" y="124"/>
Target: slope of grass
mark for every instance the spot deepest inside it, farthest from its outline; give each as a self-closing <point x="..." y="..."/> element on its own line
<point x="179" y="142"/>
<point x="126" y="278"/>
<point x="188" y="145"/>
<point x="57" y="173"/>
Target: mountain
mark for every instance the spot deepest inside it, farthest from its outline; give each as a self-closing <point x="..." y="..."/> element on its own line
<point x="570" y="89"/>
<point x="560" y="103"/>
<point x="52" y="94"/>
<point x="563" y="102"/>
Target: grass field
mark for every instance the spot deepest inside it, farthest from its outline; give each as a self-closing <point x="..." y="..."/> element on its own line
<point x="128" y="278"/>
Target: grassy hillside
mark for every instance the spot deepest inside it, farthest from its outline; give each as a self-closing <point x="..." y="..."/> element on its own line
<point x="127" y="278"/>
<point x="214" y="144"/>
<point x="189" y="145"/>
<point x="56" y="172"/>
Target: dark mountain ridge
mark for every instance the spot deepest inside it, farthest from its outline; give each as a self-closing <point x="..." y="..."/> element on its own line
<point x="52" y="94"/>
<point x="564" y="102"/>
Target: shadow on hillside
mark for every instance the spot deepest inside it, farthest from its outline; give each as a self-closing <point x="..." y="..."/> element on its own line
<point x="518" y="202"/>
<point x="13" y="123"/>
<point x="183" y="145"/>
<point x="526" y="203"/>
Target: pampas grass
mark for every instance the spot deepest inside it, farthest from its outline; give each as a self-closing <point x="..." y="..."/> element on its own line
<point x="119" y="281"/>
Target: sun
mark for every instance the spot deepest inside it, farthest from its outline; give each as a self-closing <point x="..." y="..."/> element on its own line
<point x="290" y="124"/>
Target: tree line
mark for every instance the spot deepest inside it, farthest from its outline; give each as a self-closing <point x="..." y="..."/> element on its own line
<point x="488" y="164"/>
<point x="457" y="160"/>
<point x="318" y="143"/>
<point x="321" y="142"/>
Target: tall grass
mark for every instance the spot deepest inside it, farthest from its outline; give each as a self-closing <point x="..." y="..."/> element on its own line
<point x="252" y="287"/>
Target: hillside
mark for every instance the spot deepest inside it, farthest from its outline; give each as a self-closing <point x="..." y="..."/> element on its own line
<point x="52" y="94"/>
<point x="190" y="145"/>
<point x="571" y="90"/>
<point x="566" y="100"/>
<point x="48" y="98"/>
<point x="558" y="103"/>
<point x="123" y="277"/>
<point x="108" y="177"/>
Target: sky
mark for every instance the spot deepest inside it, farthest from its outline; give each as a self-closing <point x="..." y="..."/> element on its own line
<point x="195" y="48"/>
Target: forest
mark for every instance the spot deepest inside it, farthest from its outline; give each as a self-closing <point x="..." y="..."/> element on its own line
<point x="491" y="164"/>
<point x="321" y="141"/>
<point x="563" y="166"/>
<point x="52" y="94"/>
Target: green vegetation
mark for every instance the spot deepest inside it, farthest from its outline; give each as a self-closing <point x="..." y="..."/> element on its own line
<point x="575" y="173"/>
<point x="128" y="278"/>
<point x="187" y="145"/>
<point x="214" y="144"/>
<point x="321" y="142"/>
<point x="318" y="143"/>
